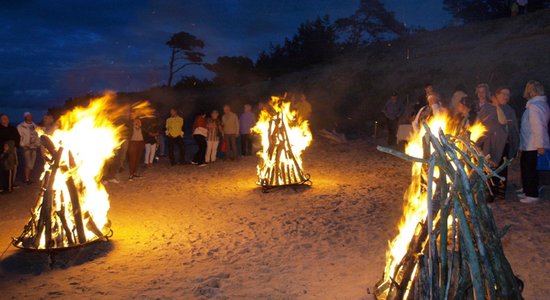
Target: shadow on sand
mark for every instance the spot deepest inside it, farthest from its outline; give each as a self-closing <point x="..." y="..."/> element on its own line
<point x="33" y="262"/>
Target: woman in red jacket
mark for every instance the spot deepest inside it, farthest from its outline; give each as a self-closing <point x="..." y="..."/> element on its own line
<point x="200" y="132"/>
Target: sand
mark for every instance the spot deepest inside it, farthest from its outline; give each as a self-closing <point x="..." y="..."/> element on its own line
<point x="186" y="232"/>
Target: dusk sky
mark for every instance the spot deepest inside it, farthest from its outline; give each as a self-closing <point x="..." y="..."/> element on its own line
<point x="52" y="50"/>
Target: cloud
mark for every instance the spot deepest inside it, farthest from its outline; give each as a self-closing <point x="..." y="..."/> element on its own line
<point x="71" y="47"/>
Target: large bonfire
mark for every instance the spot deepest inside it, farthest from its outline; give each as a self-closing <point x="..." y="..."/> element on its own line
<point x="284" y="136"/>
<point x="72" y="204"/>
<point x="447" y="246"/>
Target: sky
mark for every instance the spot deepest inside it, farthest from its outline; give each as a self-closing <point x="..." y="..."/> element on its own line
<point x="51" y="50"/>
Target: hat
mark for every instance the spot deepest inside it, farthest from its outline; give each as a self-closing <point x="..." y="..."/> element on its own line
<point x="26" y="114"/>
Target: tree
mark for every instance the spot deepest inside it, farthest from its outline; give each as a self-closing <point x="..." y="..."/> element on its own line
<point x="481" y="10"/>
<point x="233" y="70"/>
<point x="192" y="82"/>
<point x="370" y="22"/>
<point x="184" y="46"/>
<point x="315" y="42"/>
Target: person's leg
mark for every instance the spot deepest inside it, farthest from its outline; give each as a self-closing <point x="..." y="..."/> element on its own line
<point x="234" y="152"/>
<point x="202" y="148"/>
<point x="208" y="155"/>
<point x="196" y="158"/>
<point x="147" y="153"/>
<point x="181" y="147"/>
<point x="529" y="176"/>
<point x="10" y="180"/>
<point x="214" y="154"/>
<point x="244" y="146"/>
<point x="133" y="158"/>
<point x="153" y="153"/>
<point x="171" y="141"/>
<point x="250" y="140"/>
<point x="162" y="145"/>
<point x="123" y="154"/>
<point x="388" y="126"/>
<point x="140" y="148"/>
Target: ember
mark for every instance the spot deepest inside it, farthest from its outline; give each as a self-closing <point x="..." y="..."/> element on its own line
<point x="285" y="135"/>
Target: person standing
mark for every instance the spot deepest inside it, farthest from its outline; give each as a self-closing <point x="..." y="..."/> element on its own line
<point x="48" y="124"/>
<point x="393" y="110"/>
<point x="151" y="141"/>
<point x="533" y="138"/>
<point x="214" y="126"/>
<point x="423" y="98"/>
<point x="230" y="123"/>
<point x="458" y="94"/>
<point x="29" y="142"/>
<point x="174" y="135"/>
<point x="507" y="116"/>
<point x="199" y="135"/>
<point x="136" y="145"/>
<point x="493" y="141"/>
<point x="8" y="165"/>
<point x="8" y="133"/>
<point x="247" y="121"/>
<point x="432" y="108"/>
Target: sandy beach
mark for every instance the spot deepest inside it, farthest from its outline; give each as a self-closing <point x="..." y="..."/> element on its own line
<point x="186" y="232"/>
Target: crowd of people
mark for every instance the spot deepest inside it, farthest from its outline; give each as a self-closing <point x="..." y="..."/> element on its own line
<point x="144" y="141"/>
<point x="505" y="137"/>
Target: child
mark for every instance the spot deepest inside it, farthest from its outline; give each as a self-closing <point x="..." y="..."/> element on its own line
<point x="8" y="164"/>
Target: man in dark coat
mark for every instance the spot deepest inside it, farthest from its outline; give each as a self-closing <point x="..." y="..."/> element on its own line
<point x="7" y="133"/>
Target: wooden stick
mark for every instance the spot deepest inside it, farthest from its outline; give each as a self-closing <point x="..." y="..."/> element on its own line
<point x="77" y="213"/>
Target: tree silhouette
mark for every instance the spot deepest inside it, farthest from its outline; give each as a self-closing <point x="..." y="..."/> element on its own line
<point x="315" y="42"/>
<point x="184" y="46"/>
<point x="481" y="10"/>
<point x="233" y="70"/>
<point x="370" y="22"/>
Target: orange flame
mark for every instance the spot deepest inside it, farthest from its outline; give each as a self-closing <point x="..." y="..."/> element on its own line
<point x="297" y="137"/>
<point x="88" y="137"/>
<point x="415" y="206"/>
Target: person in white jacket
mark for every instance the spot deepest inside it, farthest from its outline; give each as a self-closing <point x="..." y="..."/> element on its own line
<point x="30" y="143"/>
<point x="533" y="138"/>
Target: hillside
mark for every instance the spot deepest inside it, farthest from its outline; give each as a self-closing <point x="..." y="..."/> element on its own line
<point x="350" y="90"/>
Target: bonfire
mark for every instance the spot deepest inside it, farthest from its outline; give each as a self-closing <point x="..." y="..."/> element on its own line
<point x="448" y="246"/>
<point x="72" y="204"/>
<point x="284" y="136"/>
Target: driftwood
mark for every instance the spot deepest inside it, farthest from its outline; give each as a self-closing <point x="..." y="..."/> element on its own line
<point x="281" y="167"/>
<point x="53" y="226"/>
<point x="463" y="259"/>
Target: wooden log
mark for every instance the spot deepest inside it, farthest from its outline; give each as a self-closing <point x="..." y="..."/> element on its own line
<point x="90" y="224"/>
<point x="77" y="213"/>
<point x="65" y="225"/>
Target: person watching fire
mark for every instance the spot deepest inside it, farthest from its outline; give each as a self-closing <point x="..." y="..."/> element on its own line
<point x="534" y="138"/>
<point x="30" y="143"/>
<point x="393" y="110"/>
<point x="230" y="123"/>
<point x="247" y="121"/>
<point x="174" y="134"/>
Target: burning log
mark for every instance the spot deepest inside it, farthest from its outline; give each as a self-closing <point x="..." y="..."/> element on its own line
<point x="284" y="136"/>
<point x="455" y="251"/>
<point x="72" y="205"/>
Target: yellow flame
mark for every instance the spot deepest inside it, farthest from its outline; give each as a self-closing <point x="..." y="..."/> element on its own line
<point x="89" y="138"/>
<point x="297" y="135"/>
<point x="415" y="206"/>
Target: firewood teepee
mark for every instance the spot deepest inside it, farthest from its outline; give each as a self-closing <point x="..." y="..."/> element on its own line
<point x="449" y="246"/>
<point x="285" y="135"/>
<point x="72" y="205"/>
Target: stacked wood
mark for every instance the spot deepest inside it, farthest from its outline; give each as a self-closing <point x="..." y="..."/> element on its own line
<point x="463" y="259"/>
<point x="281" y="166"/>
<point x="48" y="227"/>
